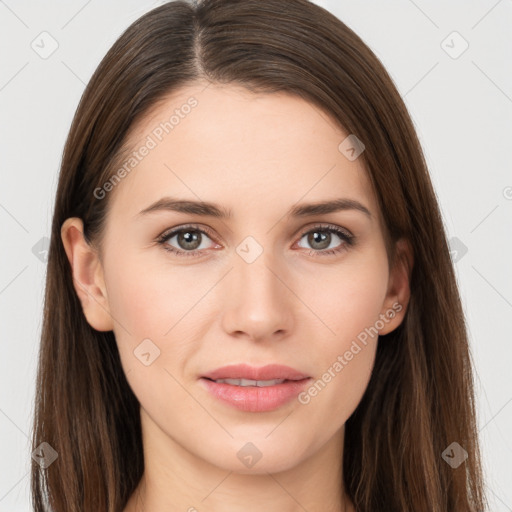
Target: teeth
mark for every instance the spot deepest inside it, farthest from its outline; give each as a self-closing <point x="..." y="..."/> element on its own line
<point x="249" y="382"/>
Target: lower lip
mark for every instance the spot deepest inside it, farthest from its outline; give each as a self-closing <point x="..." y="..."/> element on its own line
<point x="256" y="399"/>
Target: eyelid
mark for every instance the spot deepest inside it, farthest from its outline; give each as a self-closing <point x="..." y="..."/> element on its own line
<point x="169" y="233"/>
<point x="210" y="233"/>
<point x="346" y="236"/>
<point x="326" y="226"/>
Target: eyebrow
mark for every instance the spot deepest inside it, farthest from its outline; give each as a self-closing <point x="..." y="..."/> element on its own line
<point x="207" y="209"/>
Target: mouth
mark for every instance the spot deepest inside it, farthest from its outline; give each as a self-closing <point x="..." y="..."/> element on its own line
<point x="245" y="372"/>
<point x="253" y="389"/>
<point x="250" y="382"/>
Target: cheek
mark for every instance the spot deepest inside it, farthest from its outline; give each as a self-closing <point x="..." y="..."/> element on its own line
<point x="346" y="299"/>
<point x="152" y="303"/>
<point x="153" y="307"/>
<point x="348" y="303"/>
<point x="148" y="297"/>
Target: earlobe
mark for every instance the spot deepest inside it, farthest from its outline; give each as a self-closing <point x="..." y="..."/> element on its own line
<point x="87" y="273"/>
<point x="399" y="292"/>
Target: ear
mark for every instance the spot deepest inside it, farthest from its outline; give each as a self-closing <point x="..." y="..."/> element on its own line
<point x="87" y="275"/>
<point x="399" y="292"/>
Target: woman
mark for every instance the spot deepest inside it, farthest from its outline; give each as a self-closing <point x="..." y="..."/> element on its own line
<point x="250" y="302"/>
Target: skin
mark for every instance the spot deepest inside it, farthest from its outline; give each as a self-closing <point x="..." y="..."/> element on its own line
<point x="257" y="155"/>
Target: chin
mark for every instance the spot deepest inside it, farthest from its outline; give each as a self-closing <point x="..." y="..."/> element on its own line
<point x="257" y="456"/>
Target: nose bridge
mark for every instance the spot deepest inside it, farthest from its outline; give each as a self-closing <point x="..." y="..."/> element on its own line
<point x="255" y="277"/>
<point x="259" y="301"/>
<point x="255" y="273"/>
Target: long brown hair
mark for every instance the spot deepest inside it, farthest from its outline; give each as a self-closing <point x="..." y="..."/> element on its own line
<point x="420" y="398"/>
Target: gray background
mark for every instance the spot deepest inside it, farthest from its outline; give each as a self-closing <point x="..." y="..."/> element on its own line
<point x="461" y="104"/>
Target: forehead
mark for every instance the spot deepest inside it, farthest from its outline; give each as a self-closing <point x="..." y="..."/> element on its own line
<point x="228" y="145"/>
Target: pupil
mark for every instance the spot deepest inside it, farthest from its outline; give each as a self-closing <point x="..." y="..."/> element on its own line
<point x="324" y="239"/>
<point x="188" y="239"/>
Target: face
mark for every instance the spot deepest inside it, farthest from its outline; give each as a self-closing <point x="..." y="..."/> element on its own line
<point x="258" y="280"/>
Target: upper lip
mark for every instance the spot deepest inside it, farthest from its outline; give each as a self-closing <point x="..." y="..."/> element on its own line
<point x="244" y="371"/>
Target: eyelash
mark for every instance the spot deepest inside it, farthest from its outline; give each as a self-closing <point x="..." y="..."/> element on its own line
<point x="347" y="238"/>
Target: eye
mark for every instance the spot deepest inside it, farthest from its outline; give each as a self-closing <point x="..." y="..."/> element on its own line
<point x="188" y="238"/>
<point x="321" y="237"/>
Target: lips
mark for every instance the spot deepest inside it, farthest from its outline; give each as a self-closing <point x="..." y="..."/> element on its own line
<point x="253" y="389"/>
<point x="264" y="373"/>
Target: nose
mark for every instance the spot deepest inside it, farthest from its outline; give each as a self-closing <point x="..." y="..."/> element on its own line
<point x="259" y="304"/>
